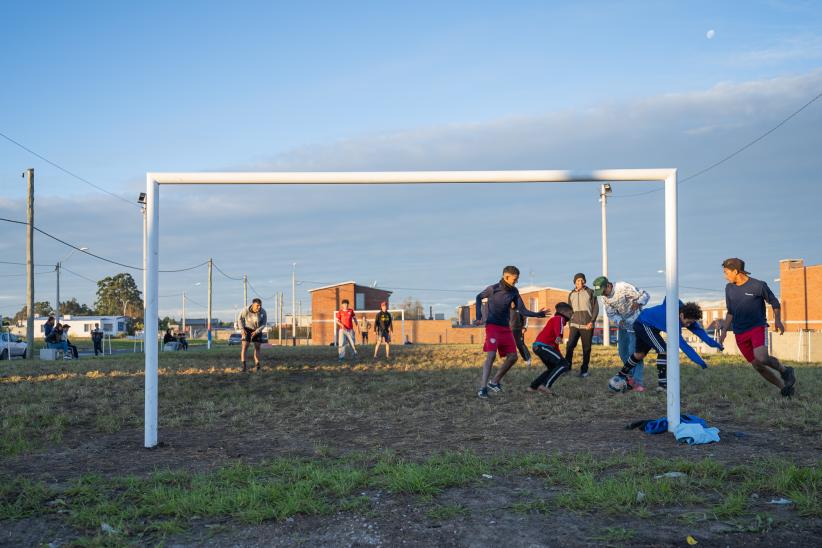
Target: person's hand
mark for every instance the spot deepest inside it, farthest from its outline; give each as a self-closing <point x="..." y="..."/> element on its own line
<point x="589" y="325"/>
<point x="478" y="322"/>
<point x="722" y="334"/>
<point x="543" y="311"/>
<point x="779" y="327"/>
<point x="558" y="340"/>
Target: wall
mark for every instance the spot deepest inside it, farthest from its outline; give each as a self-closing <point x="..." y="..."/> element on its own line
<point x="801" y="302"/>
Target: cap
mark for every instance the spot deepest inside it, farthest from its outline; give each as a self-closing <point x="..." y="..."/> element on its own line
<point x="599" y="285"/>
<point x="735" y="264"/>
<point x="579" y="275"/>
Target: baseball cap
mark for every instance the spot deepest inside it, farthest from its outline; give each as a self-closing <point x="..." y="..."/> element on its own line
<point x="599" y="285"/>
<point x="735" y="264"/>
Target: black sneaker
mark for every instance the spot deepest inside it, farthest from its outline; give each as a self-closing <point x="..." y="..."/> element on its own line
<point x="245" y="369"/>
<point x="257" y="366"/>
<point x="584" y="374"/>
<point x="496" y="387"/>
<point x="482" y="394"/>
<point x="788" y="377"/>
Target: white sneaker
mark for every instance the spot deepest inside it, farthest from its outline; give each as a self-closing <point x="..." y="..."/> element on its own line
<point x="528" y="363"/>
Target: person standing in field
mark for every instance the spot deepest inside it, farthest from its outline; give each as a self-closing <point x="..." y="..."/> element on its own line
<point x="97" y="339"/>
<point x="364" y="328"/>
<point x="745" y="299"/>
<point x="346" y="320"/>
<point x="623" y="303"/>
<point x="252" y="321"/>
<point x="383" y="327"/>
<point x="586" y="310"/>
<point x="498" y="335"/>
<point x="518" y="328"/>
<point x="546" y="347"/>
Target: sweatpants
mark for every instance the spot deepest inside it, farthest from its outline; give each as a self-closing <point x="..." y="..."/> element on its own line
<point x="345" y="339"/>
<point x="574" y="335"/>
<point x="554" y="362"/>
<point x="649" y="338"/>
<point x="521" y="346"/>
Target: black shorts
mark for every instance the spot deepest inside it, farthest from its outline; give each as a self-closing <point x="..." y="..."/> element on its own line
<point x="256" y="338"/>
<point x="386" y="336"/>
<point x="649" y="338"/>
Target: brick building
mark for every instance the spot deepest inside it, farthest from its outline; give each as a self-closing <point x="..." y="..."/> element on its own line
<point x="326" y="300"/>
<point x="800" y="296"/>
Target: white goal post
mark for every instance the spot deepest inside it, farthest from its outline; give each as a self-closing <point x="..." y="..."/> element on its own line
<point x="155" y="180"/>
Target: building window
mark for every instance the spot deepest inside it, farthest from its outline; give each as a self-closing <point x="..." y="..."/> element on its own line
<point x="359" y="301"/>
<point x="87" y="327"/>
<point x="121" y="326"/>
<point x="107" y="327"/>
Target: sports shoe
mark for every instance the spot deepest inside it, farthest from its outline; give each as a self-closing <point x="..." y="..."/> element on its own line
<point x="638" y="388"/>
<point x="244" y="368"/>
<point x="584" y="375"/>
<point x="528" y="363"/>
<point x="482" y="394"/>
<point x="788" y="377"/>
<point x="496" y="387"/>
<point x="257" y="366"/>
<point x="661" y="388"/>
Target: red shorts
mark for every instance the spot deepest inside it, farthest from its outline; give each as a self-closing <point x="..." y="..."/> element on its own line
<point x="499" y="339"/>
<point x="750" y="339"/>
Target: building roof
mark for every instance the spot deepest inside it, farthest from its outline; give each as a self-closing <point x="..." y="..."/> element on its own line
<point x="349" y="282"/>
<point x="72" y="317"/>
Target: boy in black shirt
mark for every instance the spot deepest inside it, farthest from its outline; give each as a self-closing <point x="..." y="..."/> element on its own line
<point x="383" y="329"/>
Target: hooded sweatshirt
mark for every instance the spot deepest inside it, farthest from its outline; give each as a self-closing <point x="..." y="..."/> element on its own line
<point x="585" y="305"/>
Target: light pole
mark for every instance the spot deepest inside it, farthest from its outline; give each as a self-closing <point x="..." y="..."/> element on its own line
<point x="604" y="190"/>
<point x="294" y="304"/>
<point x="57" y="270"/>
<point x="141" y="199"/>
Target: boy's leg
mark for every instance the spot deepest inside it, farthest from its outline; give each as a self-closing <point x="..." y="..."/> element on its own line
<point x="769" y="367"/>
<point x="573" y="338"/>
<point x="341" y="342"/>
<point x="243" y="350"/>
<point x="352" y="341"/>
<point x="257" y="354"/>
<point x="587" y="336"/>
<point x="557" y="366"/>
<point x="486" y="367"/>
<point x="510" y="360"/>
<point x="662" y="369"/>
<point x="377" y="346"/>
<point x="539" y="351"/>
<point x="387" y="349"/>
<point x="639" y="369"/>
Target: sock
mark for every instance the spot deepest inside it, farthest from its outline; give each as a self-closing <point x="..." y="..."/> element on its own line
<point x="628" y="368"/>
<point x="662" y="369"/>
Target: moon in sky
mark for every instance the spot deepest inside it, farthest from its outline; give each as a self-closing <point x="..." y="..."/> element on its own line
<point x="710" y="34"/>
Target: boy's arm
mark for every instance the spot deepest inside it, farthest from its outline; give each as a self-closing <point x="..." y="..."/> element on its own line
<point x="525" y="312"/>
<point x="594" y="307"/>
<point x="690" y="352"/>
<point x="700" y="332"/>
<point x="771" y="299"/>
<point x="485" y="293"/>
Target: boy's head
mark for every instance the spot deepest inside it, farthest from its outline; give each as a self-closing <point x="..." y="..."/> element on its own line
<point x="564" y="309"/>
<point x="256" y="305"/>
<point x="384" y="306"/>
<point x="689" y="314"/>
<point x="510" y="275"/>
<point x="734" y="269"/>
<point x="579" y="280"/>
<point x="344" y="304"/>
<point x="602" y="287"/>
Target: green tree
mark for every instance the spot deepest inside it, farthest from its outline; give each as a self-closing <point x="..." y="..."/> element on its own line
<point x="118" y="295"/>
<point x="41" y="308"/>
<point x="74" y="308"/>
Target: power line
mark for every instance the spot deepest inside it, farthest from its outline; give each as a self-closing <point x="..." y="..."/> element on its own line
<point x="78" y="275"/>
<point x="64" y="170"/>
<point x="65" y="243"/>
<point x="731" y="155"/>
<point x="224" y="274"/>
<point x="23" y="264"/>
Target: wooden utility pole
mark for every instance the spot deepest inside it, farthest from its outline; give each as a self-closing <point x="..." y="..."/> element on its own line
<point x="30" y="265"/>
<point x="208" y="314"/>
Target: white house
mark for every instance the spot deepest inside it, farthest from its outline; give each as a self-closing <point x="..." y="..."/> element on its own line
<point x="81" y="326"/>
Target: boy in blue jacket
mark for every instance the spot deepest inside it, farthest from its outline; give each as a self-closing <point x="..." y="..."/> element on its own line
<point x="648" y="327"/>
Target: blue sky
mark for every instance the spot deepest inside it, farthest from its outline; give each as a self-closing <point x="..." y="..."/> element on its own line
<point x="110" y="91"/>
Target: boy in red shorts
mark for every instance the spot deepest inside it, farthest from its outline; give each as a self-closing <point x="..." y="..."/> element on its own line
<point x="498" y="335"/>
<point x="745" y="299"/>
<point x="546" y="347"/>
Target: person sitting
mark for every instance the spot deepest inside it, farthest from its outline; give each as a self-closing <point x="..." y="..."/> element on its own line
<point x="168" y="337"/>
<point x="55" y="340"/>
<point x="74" y="353"/>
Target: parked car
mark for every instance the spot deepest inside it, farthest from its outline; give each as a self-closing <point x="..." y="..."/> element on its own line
<point x="12" y="345"/>
<point x="235" y="338"/>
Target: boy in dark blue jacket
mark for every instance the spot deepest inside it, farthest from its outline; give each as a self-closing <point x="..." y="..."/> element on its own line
<point x="648" y="328"/>
<point x="498" y="335"/>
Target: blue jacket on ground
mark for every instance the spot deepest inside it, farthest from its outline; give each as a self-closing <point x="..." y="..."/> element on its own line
<point x="500" y="296"/>
<point x="655" y="317"/>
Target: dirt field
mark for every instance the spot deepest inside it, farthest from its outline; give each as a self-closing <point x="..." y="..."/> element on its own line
<point x="310" y="452"/>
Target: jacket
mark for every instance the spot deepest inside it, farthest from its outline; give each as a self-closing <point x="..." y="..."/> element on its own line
<point x="585" y="305"/>
<point x="252" y="321"/>
<point x="655" y="317"/>
<point x="618" y="305"/>
<point x="500" y="296"/>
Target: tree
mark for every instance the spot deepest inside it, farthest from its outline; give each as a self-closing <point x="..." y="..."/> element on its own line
<point x="413" y="309"/>
<point x="118" y="295"/>
<point x="74" y="308"/>
<point x="41" y="308"/>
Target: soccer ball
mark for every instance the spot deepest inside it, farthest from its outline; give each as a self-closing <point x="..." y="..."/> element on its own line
<point x="618" y="383"/>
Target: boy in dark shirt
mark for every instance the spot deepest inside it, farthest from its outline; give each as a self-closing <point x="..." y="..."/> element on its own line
<point x="546" y="347"/>
<point x="745" y="299"/>
<point x="498" y="335"/>
<point x="383" y="329"/>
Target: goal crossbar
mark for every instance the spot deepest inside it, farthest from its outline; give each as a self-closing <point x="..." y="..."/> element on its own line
<point x="152" y="241"/>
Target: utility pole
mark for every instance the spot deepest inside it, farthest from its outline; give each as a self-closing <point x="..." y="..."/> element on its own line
<point x="30" y="265"/>
<point x="141" y="199"/>
<point x="208" y="320"/>
<point x="57" y="306"/>
<point x="294" y="304"/>
<point x="604" y="190"/>
<point x="299" y="313"/>
<point x="280" y="317"/>
<point x="184" y="311"/>
<point x="245" y="291"/>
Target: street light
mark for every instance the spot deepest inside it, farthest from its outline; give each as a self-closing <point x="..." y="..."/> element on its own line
<point x="57" y="270"/>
